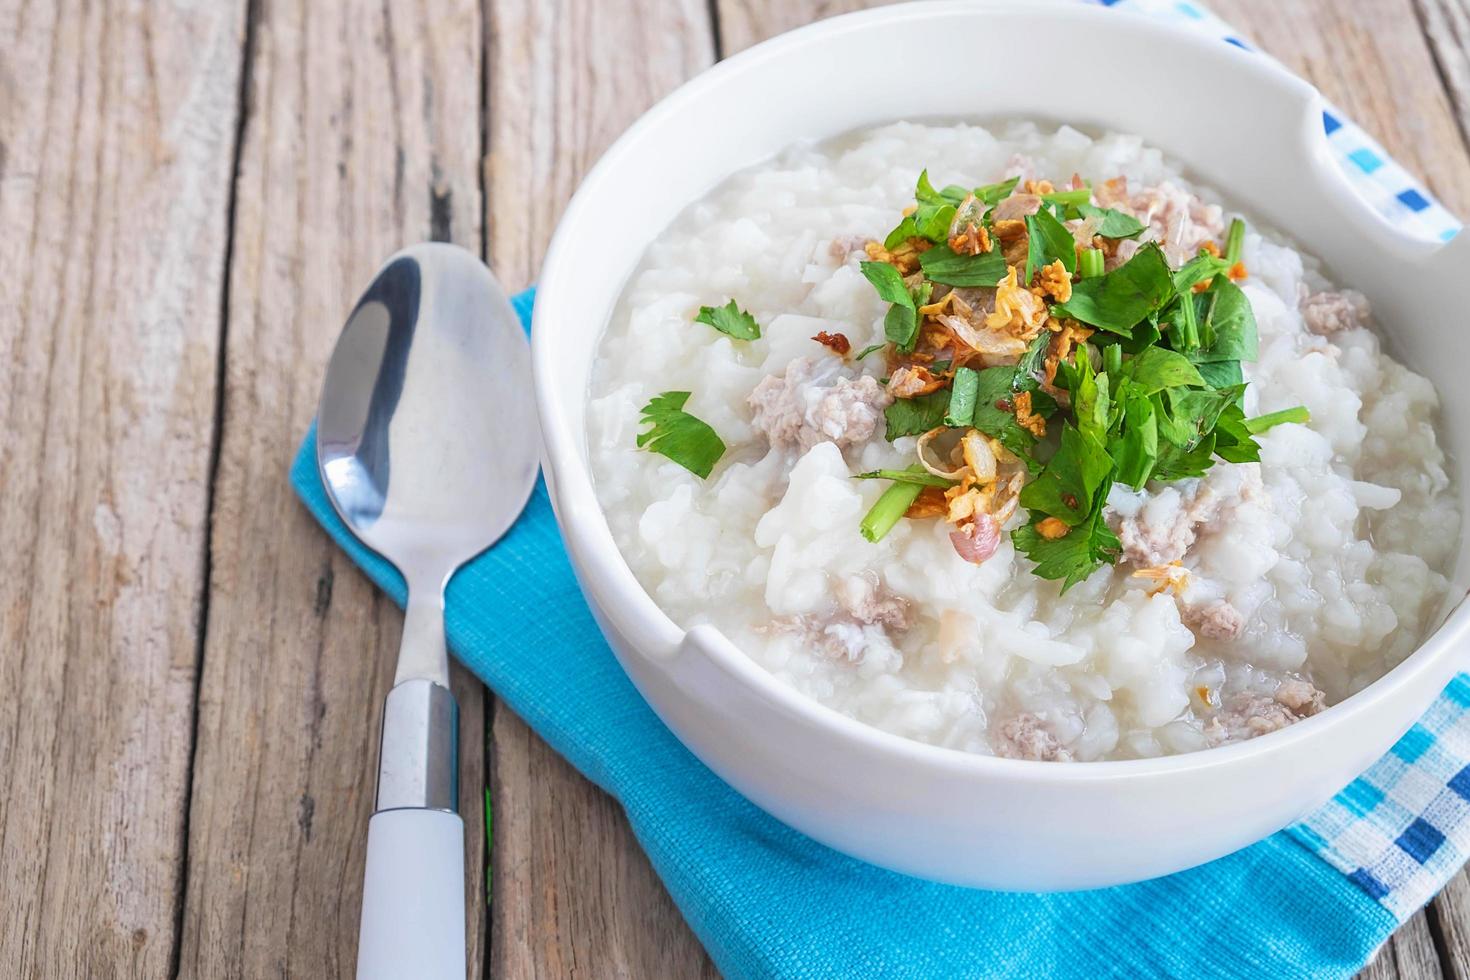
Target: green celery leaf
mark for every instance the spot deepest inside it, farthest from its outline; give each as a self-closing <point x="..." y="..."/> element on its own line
<point x="915" y="416"/>
<point x="1113" y="224"/>
<point x="1033" y="361"/>
<point x="1220" y="374"/>
<point x="1229" y="325"/>
<point x="1176" y="464"/>
<point x="888" y="282"/>
<point x="1066" y="487"/>
<point x="941" y="264"/>
<point x="1072" y="557"/>
<point x="1136" y="450"/>
<point x="901" y="326"/>
<point x="1091" y="405"/>
<point x="1120" y="299"/>
<point x="1155" y="368"/>
<point x="962" y="398"/>
<point x="1193" y="413"/>
<point x="1048" y="240"/>
<point x="868" y="350"/>
<point x="1233" y="441"/>
<point x="678" y="435"/>
<point x="994" y="412"/>
<point x="907" y="228"/>
<point x="995" y="193"/>
<point x="730" y="320"/>
<point x="925" y="193"/>
<point x="932" y="221"/>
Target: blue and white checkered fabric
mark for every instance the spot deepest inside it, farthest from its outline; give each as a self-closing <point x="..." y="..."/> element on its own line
<point x="1402" y="829"/>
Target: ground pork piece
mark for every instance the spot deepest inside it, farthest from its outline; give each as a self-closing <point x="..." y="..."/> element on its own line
<point x="1217" y="620"/>
<point x="840" y="637"/>
<point x="1164" y="528"/>
<point x="1176" y="219"/>
<point x="1301" y="697"/>
<point x="1027" y="737"/>
<point x="844" y="245"/>
<point x="1328" y="312"/>
<point x="869" y="602"/>
<point x="1248" y="714"/>
<point x="810" y="403"/>
<point x="1016" y="207"/>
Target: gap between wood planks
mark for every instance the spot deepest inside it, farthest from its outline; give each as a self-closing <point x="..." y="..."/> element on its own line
<point x="216" y="436"/>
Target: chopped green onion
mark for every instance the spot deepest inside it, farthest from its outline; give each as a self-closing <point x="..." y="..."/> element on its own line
<point x="1261" y="423"/>
<point x="1081" y="195"/>
<point x="1090" y="263"/>
<point x="890" y="507"/>
<point x="1188" y="323"/>
<point x="914" y="474"/>
<point x="962" y="398"/>
<point x="1234" y="241"/>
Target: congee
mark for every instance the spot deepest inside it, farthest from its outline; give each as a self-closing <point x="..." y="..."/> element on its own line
<point x="1016" y="441"/>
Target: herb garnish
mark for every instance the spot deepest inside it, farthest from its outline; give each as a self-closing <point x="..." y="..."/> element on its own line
<point x="1163" y="402"/>
<point x="731" y="320"/>
<point x="901" y="325"/>
<point x="890" y="507"/>
<point x="678" y="435"/>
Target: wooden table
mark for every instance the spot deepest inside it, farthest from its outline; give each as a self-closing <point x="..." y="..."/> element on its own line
<point x="191" y="194"/>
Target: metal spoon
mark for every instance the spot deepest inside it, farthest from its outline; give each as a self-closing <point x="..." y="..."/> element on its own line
<point x="427" y="444"/>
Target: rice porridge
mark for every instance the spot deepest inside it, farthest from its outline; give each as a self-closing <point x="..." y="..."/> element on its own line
<point x="1058" y="461"/>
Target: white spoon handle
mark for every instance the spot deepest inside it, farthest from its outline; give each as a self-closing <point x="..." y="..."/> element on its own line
<point x="413" y="897"/>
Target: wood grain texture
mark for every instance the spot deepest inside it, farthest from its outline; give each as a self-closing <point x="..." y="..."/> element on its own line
<point x="1451" y="918"/>
<point x="1337" y="46"/>
<point x="361" y="134"/>
<point x="116" y="131"/>
<point x="1409" y="955"/>
<point x="746" y="22"/>
<point x="363" y="130"/>
<point x="573" y="893"/>
<point x="1446" y="25"/>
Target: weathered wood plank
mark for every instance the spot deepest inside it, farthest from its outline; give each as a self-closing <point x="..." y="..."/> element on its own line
<point x="1409" y="955"/>
<point x="747" y="22"/>
<point x="1451" y="912"/>
<point x="1338" y="46"/>
<point x="1446" y="25"/>
<point x="116" y="133"/>
<point x="573" y="893"/>
<point x="362" y="134"/>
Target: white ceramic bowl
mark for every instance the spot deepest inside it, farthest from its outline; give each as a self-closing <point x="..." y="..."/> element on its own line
<point x="1237" y="121"/>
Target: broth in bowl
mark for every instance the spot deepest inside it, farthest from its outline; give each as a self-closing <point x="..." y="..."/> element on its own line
<point x="1014" y="441"/>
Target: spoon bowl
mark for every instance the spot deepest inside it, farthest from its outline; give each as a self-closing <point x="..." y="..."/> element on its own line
<point x="425" y="450"/>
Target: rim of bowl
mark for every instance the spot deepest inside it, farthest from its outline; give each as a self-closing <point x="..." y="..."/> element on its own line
<point x="584" y="524"/>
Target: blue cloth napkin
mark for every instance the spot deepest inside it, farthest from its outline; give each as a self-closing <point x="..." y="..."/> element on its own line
<point x="1314" y="900"/>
